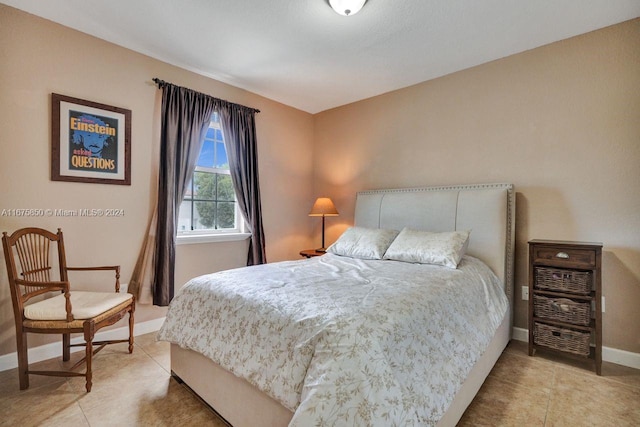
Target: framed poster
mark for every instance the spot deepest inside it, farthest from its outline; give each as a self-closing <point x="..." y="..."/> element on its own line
<point x="90" y="142"/>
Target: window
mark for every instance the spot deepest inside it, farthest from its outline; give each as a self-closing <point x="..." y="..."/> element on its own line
<point x="209" y="206"/>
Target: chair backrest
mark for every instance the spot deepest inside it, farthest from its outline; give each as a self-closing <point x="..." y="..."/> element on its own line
<point x="31" y="247"/>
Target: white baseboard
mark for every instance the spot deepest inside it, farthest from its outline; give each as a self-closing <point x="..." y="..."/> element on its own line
<point x="520" y="334"/>
<point x="49" y="351"/>
<point x="613" y="355"/>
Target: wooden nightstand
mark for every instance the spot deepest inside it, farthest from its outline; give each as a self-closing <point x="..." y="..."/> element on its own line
<point x="565" y="298"/>
<point x="309" y="253"/>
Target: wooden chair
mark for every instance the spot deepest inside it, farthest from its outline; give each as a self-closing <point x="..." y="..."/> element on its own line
<point x="66" y="313"/>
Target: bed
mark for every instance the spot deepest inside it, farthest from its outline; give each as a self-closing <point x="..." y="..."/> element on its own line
<point x="372" y="387"/>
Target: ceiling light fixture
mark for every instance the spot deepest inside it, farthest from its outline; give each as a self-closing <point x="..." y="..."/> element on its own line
<point x="347" y="7"/>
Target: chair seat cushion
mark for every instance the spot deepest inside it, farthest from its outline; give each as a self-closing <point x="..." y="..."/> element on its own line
<point x="84" y="305"/>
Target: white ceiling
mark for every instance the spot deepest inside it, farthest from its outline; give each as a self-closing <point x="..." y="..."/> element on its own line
<point x="303" y="54"/>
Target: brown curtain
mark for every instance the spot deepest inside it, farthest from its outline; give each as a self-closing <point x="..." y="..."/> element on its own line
<point x="185" y="117"/>
<point x="239" y="128"/>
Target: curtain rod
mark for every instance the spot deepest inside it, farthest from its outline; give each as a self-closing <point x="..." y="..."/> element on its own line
<point x="160" y="82"/>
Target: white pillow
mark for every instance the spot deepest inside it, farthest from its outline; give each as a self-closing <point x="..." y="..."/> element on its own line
<point x="425" y="247"/>
<point x="364" y="243"/>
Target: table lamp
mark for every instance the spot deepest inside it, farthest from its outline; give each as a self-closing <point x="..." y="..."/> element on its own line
<point x="323" y="207"/>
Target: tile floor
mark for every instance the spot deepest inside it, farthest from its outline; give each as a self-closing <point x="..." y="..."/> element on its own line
<point x="137" y="390"/>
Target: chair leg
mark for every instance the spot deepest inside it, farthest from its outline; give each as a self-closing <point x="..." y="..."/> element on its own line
<point x="88" y="338"/>
<point x="131" y="329"/>
<point x="23" y="360"/>
<point x="66" y="347"/>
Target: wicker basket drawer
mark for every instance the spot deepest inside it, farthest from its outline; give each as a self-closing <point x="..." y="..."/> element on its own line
<point x="562" y="339"/>
<point x="562" y="309"/>
<point x="556" y="279"/>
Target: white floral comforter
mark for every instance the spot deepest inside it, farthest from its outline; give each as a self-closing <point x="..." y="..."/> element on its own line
<point x="343" y="341"/>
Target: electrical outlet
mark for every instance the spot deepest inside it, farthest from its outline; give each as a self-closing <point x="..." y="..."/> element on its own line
<point x="124" y="287"/>
<point x="525" y="293"/>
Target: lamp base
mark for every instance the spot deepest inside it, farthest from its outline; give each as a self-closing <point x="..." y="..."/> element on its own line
<point x="323" y="250"/>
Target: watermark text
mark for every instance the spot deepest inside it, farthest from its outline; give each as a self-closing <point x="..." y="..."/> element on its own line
<point x="57" y="212"/>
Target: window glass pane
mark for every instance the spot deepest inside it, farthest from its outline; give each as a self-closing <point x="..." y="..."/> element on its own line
<point x="205" y="185"/>
<point x="210" y="201"/>
<point x="226" y="215"/>
<point x="184" y="218"/>
<point x="206" y="154"/>
<point x="221" y="156"/>
<point x="204" y="216"/>
<point x="189" y="193"/>
<point x="225" y="188"/>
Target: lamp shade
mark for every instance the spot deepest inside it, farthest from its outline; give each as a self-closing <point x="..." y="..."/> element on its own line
<point x="347" y="7"/>
<point x="323" y="207"/>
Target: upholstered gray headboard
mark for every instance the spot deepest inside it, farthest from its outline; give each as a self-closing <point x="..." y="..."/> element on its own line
<point x="488" y="210"/>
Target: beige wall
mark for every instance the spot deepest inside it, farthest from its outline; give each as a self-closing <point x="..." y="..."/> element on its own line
<point x="38" y="57"/>
<point x="561" y="122"/>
